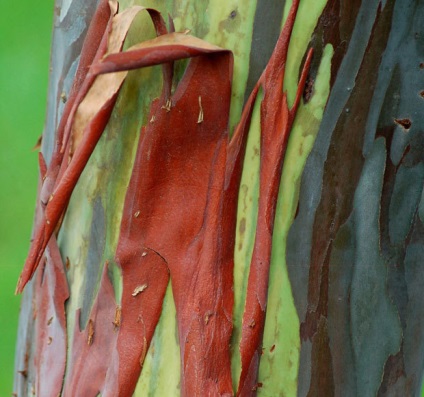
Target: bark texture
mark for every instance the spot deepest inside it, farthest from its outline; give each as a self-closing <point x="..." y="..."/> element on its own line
<point x="338" y="310"/>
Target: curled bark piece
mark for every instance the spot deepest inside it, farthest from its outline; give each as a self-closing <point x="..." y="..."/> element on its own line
<point x="97" y="88"/>
<point x="276" y="122"/>
<point x="87" y="118"/>
<point x="94" y="47"/>
<point x="167" y="48"/>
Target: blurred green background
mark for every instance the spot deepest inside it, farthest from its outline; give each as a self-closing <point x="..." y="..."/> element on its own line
<point x="25" y="38"/>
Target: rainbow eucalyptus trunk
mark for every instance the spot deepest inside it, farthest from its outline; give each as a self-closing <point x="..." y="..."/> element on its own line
<point x="230" y="202"/>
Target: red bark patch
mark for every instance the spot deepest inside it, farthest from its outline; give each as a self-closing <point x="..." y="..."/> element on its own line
<point x="92" y="348"/>
<point x="174" y="207"/>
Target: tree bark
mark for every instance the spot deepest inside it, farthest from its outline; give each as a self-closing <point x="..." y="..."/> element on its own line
<point x="344" y="314"/>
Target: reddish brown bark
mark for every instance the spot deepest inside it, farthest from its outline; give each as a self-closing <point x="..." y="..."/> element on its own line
<point x="92" y="348"/>
<point x="174" y="207"/>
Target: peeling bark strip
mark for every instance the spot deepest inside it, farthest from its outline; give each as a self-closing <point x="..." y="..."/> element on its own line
<point x="176" y="189"/>
<point x="81" y="127"/>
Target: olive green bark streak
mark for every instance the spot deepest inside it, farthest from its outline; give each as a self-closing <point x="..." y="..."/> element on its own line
<point x="247" y="214"/>
<point x="306" y="20"/>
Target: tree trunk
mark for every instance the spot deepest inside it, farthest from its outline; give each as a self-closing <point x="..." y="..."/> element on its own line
<point x="344" y="314"/>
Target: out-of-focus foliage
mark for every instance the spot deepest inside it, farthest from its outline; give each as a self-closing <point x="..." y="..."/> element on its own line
<point x="25" y="29"/>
